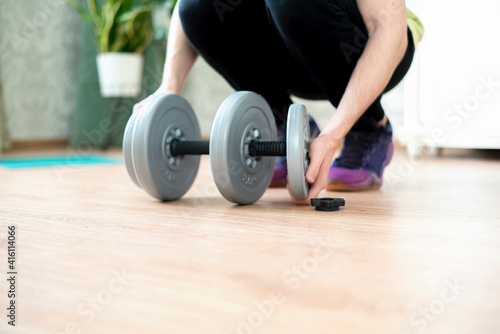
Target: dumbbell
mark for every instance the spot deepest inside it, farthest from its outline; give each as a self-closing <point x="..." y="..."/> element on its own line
<point x="162" y="144"/>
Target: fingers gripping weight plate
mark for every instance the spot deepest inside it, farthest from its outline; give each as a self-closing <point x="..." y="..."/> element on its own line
<point x="127" y="148"/>
<point x="161" y="120"/>
<point x="297" y="149"/>
<point x="242" y="117"/>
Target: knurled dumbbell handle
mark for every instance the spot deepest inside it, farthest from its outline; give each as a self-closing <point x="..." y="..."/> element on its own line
<point x="256" y="148"/>
<point x="267" y="148"/>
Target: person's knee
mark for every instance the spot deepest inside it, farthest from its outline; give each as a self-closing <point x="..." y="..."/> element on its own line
<point x="198" y="13"/>
<point x="294" y="18"/>
<point x="189" y="11"/>
<point x="199" y="20"/>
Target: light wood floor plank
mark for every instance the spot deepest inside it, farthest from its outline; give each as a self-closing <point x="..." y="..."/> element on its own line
<point x="422" y="255"/>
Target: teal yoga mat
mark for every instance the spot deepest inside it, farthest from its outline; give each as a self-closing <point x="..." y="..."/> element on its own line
<point x="57" y="160"/>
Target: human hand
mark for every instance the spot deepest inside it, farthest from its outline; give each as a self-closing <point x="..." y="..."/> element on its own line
<point x="321" y="152"/>
<point x="160" y="91"/>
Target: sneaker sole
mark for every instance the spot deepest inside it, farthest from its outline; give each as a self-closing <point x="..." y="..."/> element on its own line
<point x="338" y="185"/>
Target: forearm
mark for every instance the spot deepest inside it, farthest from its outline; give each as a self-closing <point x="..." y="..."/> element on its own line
<point x="384" y="50"/>
<point x="180" y="56"/>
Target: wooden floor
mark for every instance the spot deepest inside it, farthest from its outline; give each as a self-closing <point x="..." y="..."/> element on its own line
<point x="97" y="255"/>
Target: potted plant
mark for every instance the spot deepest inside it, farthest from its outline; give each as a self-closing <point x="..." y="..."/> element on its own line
<point x="123" y="29"/>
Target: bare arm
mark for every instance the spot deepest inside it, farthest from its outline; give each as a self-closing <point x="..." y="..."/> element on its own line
<point x="385" y="21"/>
<point x="179" y="62"/>
<point x="180" y="56"/>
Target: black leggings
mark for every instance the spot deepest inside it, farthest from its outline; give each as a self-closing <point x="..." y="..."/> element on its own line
<point x="307" y="48"/>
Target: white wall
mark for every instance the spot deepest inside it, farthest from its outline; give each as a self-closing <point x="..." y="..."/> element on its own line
<point x="453" y="94"/>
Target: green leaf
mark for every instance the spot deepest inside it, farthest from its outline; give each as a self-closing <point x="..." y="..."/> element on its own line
<point x="92" y="7"/>
<point x="109" y="11"/>
<point x="120" y="25"/>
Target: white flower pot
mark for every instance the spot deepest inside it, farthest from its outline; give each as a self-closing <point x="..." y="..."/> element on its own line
<point x="120" y="74"/>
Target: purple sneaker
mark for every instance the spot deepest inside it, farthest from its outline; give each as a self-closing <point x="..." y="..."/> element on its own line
<point x="368" y="148"/>
<point x="279" y="179"/>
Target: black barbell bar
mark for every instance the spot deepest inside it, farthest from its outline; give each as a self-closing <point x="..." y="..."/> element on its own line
<point x="256" y="148"/>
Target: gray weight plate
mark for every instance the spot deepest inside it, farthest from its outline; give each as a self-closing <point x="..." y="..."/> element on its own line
<point x="161" y="120"/>
<point x="127" y="148"/>
<point x="242" y="117"/>
<point x="297" y="149"/>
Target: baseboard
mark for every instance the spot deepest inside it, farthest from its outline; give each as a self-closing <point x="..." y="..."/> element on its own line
<point x="38" y="144"/>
